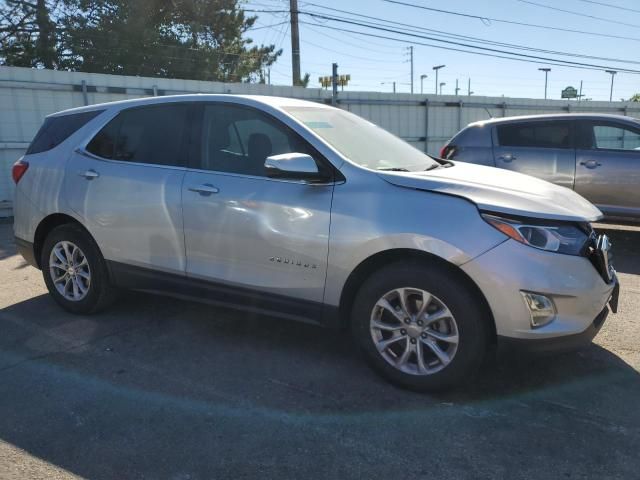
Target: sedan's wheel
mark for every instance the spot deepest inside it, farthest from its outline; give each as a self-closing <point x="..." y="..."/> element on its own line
<point x="414" y="331"/>
<point x="69" y="270"/>
<point x="75" y="271"/>
<point x="421" y="327"/>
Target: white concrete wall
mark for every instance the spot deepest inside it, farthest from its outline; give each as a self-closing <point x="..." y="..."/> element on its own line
<point x="28" y="95"/>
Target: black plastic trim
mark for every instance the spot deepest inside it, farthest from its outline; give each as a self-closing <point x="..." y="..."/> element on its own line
<point x="26" y="250"/>
<point x="155" y="281"/>
<point x="556" y="344"/>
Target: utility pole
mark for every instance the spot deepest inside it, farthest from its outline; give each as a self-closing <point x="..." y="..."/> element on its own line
<point x="469" y="92"/>
<point x="411" y="60"/>
<point x="269" y="76"/>
<point x="436" y="68"/>
<point x="546" y="73"/>
<point x="442" y="84"/>
<point x="457" y="88"/>
<point x="580" y="94"/>
<point x="295" y="42"/>
<point x="613" y="74"/>
<point x="334" y="83"/>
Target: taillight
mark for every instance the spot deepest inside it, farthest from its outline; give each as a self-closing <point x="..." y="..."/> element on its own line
<point x="19" y="169"/>
<point x="446" y="151"/>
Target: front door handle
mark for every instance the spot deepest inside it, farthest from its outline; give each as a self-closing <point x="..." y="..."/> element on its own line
<point x="205" y="190"/>
<point x="591" y="164"/>
<point x="89" y="174"/>
<point x="507" y="157"/>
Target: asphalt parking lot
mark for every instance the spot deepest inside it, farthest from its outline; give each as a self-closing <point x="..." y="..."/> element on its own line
<point x="159" y="388"/>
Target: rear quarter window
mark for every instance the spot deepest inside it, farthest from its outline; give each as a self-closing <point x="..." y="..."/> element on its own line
<point x="536" y="134"/>
<point x="152" y="135"/>
<point x="56" y="130"/>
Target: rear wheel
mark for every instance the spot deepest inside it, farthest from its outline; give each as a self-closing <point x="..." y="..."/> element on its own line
<point x="75" y="271"/>
<point x="419" y="326"/>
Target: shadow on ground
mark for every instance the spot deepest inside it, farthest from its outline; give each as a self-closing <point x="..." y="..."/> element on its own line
<point x="159" y="388"/>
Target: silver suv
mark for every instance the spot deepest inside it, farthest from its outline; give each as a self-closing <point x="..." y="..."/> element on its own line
<point x="598" y="156"/>
<point x="311" y="213"/>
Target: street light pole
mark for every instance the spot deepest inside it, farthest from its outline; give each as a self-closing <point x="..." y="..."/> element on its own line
<point x="422" y="77"/>
<point x="436" y="68"/>
<point x="387" y="83"/>
<point x="613" y="74"/>
<point x="546" y="75"/>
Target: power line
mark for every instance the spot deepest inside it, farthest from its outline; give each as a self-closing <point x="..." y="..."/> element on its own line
<point x="366" y="59"/>
<point x="586" y="15"/>
<point x="477" y="39"/>
<point x="487" y="20"/>
<point x="549" y="62"/>
<point x="529" y="58"/>
<point x="610" y="5"/>
<point x="466" y="45"/>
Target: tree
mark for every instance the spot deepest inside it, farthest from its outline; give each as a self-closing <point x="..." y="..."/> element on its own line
<point x="194" y="39"/>
<point x="635" y="98"/>
<point x="28" y="34"/>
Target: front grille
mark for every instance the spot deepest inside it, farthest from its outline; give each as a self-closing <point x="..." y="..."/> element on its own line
<point x="599" y="253"/>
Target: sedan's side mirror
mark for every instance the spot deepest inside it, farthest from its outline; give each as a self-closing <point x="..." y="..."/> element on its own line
<point x="294" y="166"/>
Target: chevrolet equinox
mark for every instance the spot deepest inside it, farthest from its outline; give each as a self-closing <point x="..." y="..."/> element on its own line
<point x="308" y="212"/>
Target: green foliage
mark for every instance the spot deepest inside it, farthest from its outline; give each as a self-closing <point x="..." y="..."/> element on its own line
<point x="193" y="39"/>
<point x="27" y="34"/>
<point x="635" y="98"/>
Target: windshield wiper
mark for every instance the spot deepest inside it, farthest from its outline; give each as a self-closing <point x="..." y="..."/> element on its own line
<point x="432" y="167"/>
<point x="393" y="169"/>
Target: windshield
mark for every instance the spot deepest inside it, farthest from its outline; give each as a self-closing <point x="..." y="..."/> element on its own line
<point x="362" y="142"/>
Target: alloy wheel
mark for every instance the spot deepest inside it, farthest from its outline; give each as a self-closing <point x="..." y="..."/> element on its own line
<point x="70" y="271"/>
<point x="414" y="331"/>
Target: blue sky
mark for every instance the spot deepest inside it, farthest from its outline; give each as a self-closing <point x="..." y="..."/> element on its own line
<point x="375" y="63"/>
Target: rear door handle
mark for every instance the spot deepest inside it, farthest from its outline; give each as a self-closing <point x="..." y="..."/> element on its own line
<point x="89" y="174"/>
<point x="205" y="190"/>
<point x="590" y="164"/>
<point x="507" y="157"/>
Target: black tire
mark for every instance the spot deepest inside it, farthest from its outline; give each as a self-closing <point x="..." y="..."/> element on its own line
<point x="100" y="293"/>
<point x="450" y="290"/>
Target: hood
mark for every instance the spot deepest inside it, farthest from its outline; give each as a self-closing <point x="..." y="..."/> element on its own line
<point x="501" y="191"/>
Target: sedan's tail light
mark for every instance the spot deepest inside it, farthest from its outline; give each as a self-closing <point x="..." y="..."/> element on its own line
<point x="19" y="169"/>
<point x="447" y="151"/>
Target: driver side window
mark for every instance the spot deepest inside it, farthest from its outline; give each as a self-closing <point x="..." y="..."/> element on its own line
<point x="239" y="139"/>
<point x="612" y="137"/>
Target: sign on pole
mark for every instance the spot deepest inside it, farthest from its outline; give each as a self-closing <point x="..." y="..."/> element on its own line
<point x="569" y="92"/>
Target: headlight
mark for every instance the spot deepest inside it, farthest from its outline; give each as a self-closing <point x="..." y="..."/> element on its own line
<point x="553" y="237"/>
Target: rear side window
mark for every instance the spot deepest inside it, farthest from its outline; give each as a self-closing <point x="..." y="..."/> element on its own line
<point x="537" y="134"/>
<point x="144" y="135"/>
<point x="56" y="130"/>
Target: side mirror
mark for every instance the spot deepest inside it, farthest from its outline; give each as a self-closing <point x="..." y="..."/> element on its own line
<point x="294" y="166"/>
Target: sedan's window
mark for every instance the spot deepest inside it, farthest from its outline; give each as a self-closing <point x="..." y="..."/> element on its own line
<point x="144" y="135"/>
<point x="239" y="140"/>
<point x="615" y="138"/>
<point x="56" y="130"/>
<point x="537" y="134"/>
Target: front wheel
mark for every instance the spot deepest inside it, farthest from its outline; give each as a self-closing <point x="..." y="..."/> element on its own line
<point x="75" y="271"/>
<point x="420" y="327"/>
